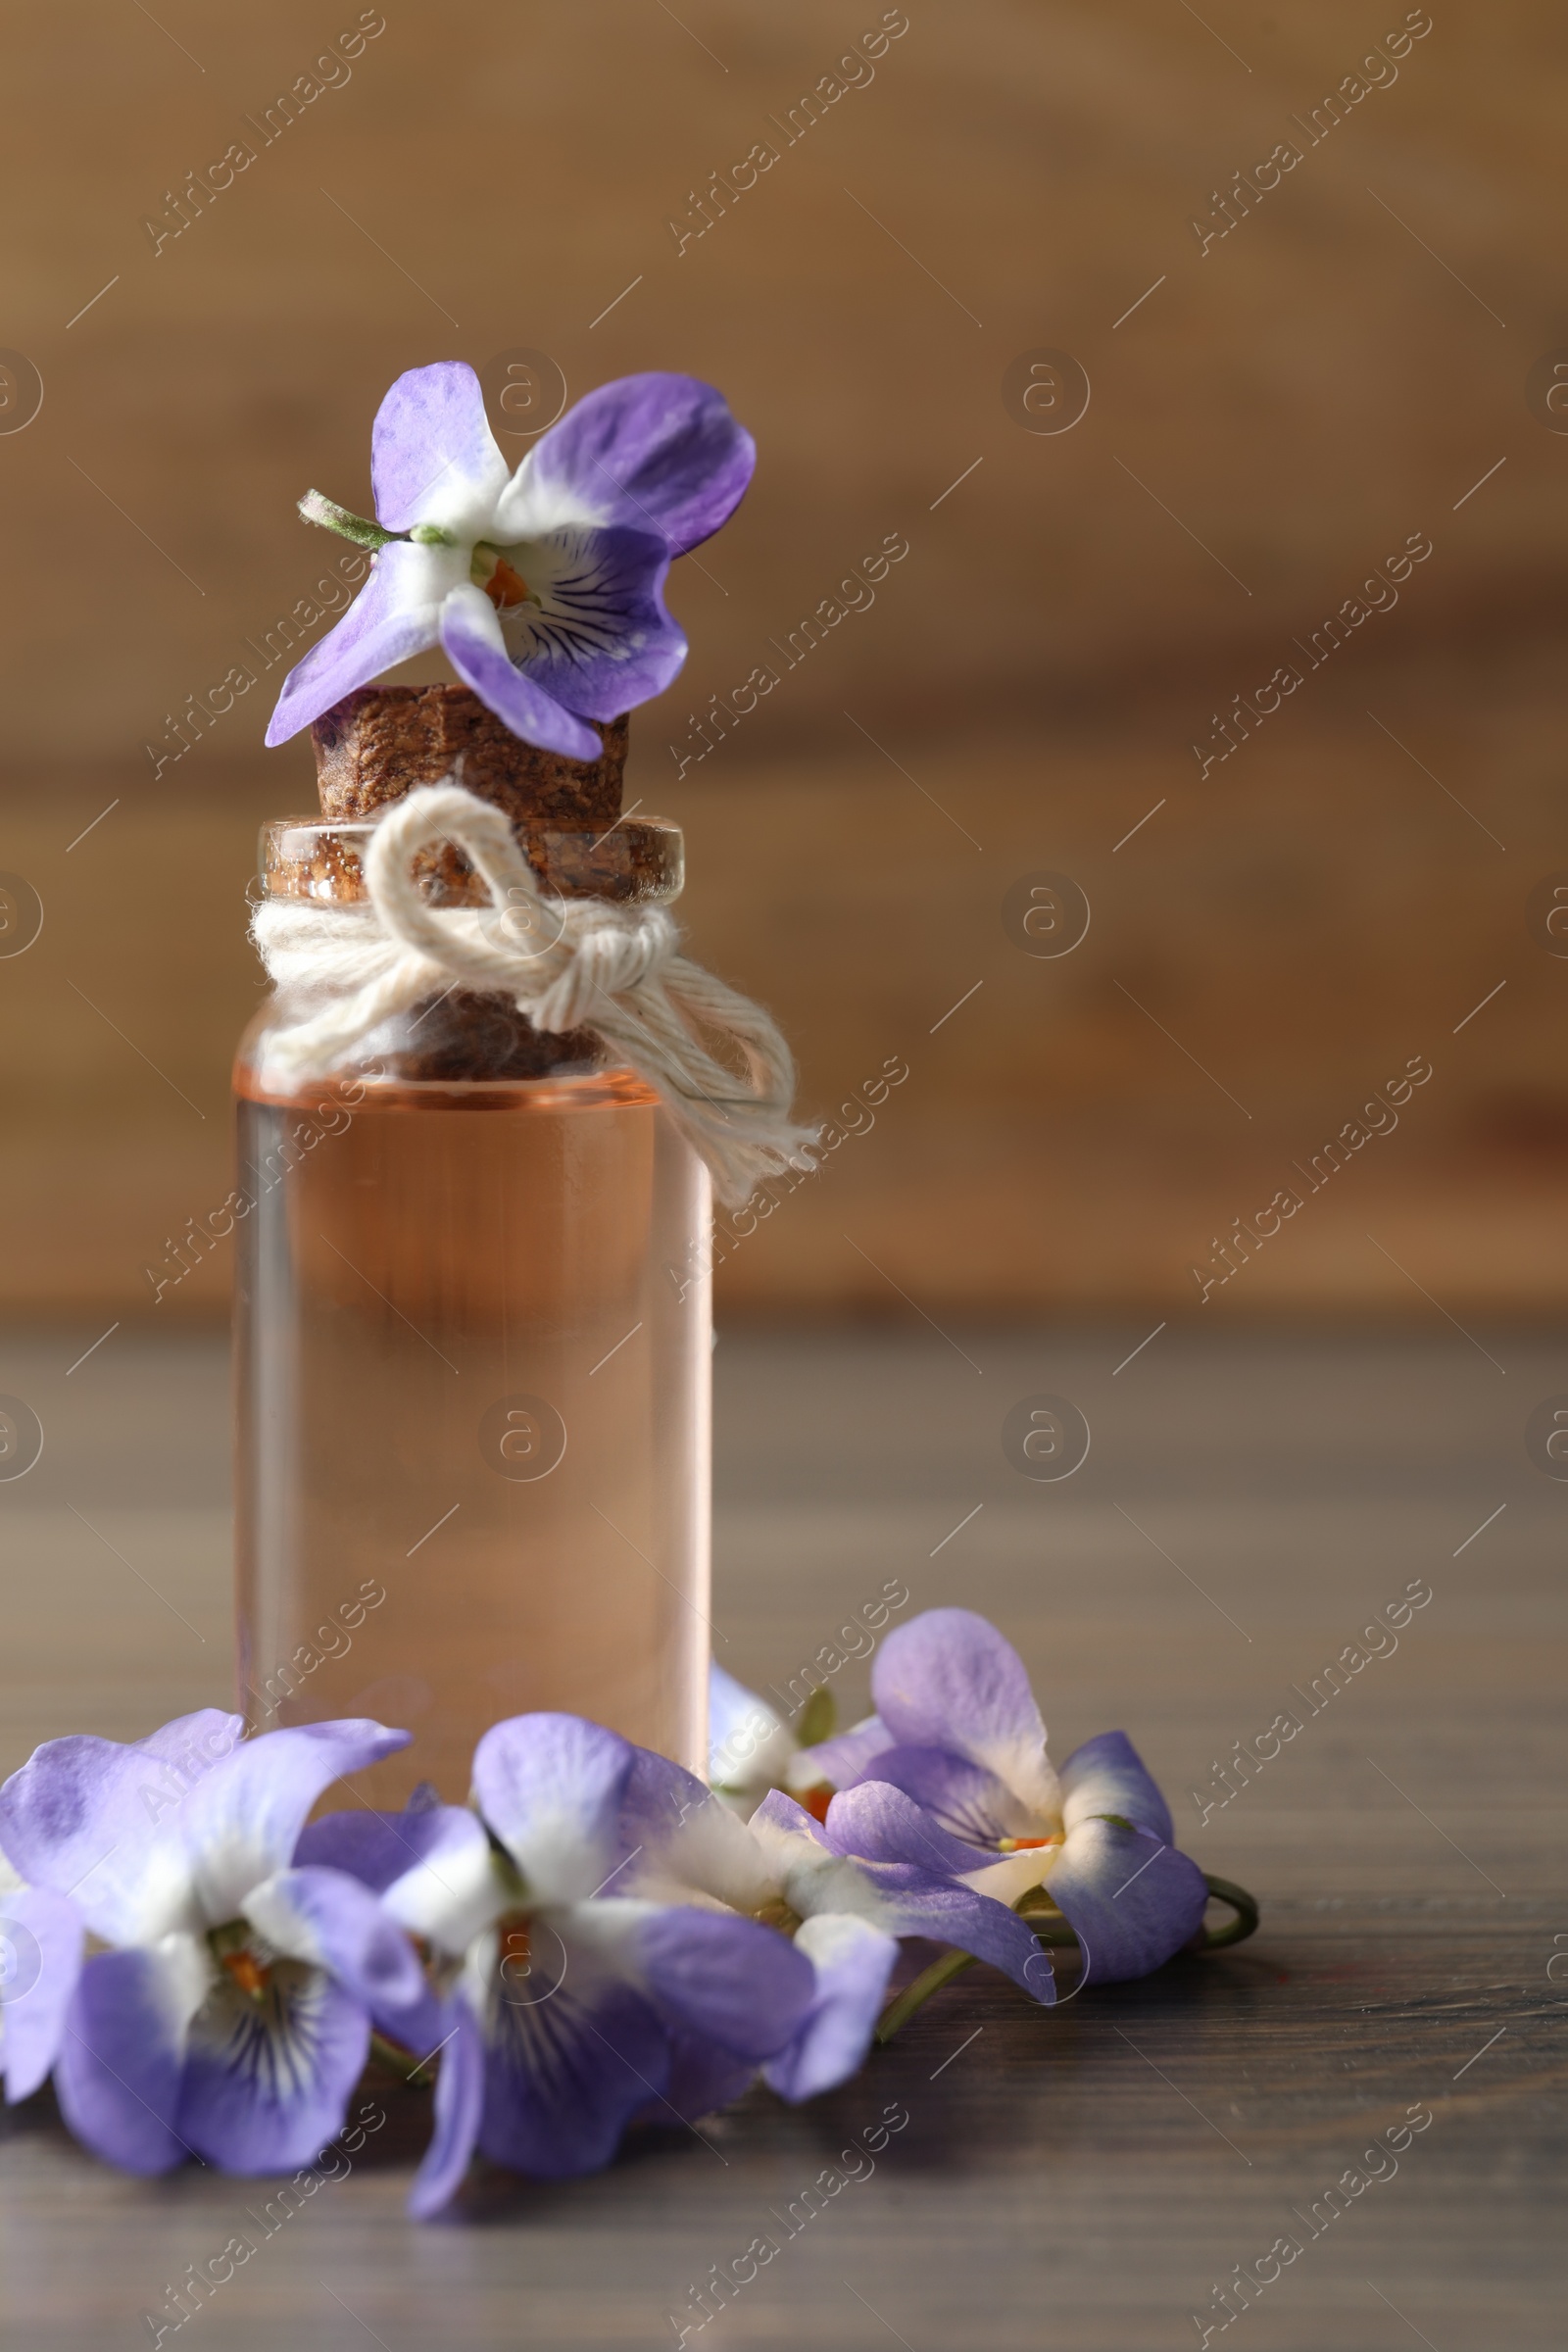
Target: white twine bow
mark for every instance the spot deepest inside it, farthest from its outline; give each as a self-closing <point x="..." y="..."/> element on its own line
<point x="566" y="963"/>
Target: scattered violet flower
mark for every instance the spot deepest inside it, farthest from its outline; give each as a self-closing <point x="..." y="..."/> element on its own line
<point x="845" y="1914"/>
<point x="958" y="1743"/>
<point x="569" y="2010"/>
<point x="544" y="587"/>
<point x="598" y="1939"/>
<point x="231" y="2019"/>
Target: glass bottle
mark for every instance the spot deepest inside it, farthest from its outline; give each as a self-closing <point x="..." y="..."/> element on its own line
<point x="473" y="1327"/>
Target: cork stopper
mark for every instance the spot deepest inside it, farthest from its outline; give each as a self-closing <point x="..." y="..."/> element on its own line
<point x="380" y="742"/>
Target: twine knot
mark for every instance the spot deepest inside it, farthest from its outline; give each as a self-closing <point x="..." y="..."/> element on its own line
<point x="565" y="963"/>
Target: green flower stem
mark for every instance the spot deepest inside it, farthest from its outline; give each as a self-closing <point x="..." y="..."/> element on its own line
<point x="1048" y="1927"/>
<point x="317" y="508"/>
<point x="1245" y="1906"/>
<point x="914" y="1996"/>
<point x="398" y="2060"/>
<point x="1051" y="1929"/>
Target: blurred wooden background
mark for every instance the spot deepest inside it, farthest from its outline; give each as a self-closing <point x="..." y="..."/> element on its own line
<point x="1281" y="410"/>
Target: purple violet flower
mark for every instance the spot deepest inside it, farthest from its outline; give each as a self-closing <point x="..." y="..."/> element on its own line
<point x="231" y="2018"/>
<point x="569" y="2009"/>
<point x="542" y="587"/>
<point x="951" y="1773"/>
<point x="845" y="1915"/>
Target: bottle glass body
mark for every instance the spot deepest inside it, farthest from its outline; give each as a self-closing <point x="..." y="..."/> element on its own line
<point x="473" y="1341"/>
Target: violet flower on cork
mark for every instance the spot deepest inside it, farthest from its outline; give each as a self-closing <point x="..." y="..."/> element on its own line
<point x="542" y="587"/>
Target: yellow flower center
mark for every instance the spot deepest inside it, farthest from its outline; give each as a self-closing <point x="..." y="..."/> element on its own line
<point x="506" y="587"/>
<point x="248" y="1972"/>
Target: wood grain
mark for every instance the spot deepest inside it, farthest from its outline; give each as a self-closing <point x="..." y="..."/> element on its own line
<point x="1083" y="2179"/>
<point x="1076" y="610"/>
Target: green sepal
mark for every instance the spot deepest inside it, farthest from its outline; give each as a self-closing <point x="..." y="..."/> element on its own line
<point x="818" y="1718"/>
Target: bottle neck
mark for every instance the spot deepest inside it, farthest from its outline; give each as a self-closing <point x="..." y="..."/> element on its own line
<point x="381" y="743"/>
<point x="635" y="860"/>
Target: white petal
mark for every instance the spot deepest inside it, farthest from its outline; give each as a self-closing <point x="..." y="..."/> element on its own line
<point x="188" y="1973"/>
<point x="1014" y="1874"/>
<point x="454" y="1896"/>
<point x="712" y="1853"/>
<point x="529" y="507"/>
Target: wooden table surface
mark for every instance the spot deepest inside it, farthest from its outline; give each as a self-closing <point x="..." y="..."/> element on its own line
<point x="1084" y="2178"/>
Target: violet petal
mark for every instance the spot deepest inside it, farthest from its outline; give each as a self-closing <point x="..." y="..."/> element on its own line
<point x="470" y="634"/>
<point x="848" y="1757"/>
<point x="973" y="1923"/>
<point x="971" y="1803"/>
<point x="1131" y="1899"/>
<point x="744" y="1985"/>
<point x="853" y="1961"/>
<point x="266" y="2082"/>
<point x="118" y="2075"/>
<point x="950" y="1680"/>
<point x="550" y="1788"/>
<point x="242" y="1821"/>
<point x="655" y="451"/>
<point x="659" y="1798"/>
<point x="459" y="2106"/>
<point x="434" y="457"/>
<point x="918" y="1870"/>
<point x="600" y="640"/>
<point x="875" y="1822"/>
<point x="1107" y="1775"/>
<point x="84" y="1814"/>
<point x="686" y="1841"/>
<point x="395" y="615"/>
<point x="701" y="2078"/>
<point x="40" y="1962"/>
<point x="330" y="1921"/>
<point x="563" y="2076"/>
<point x="377" y="1847"/>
